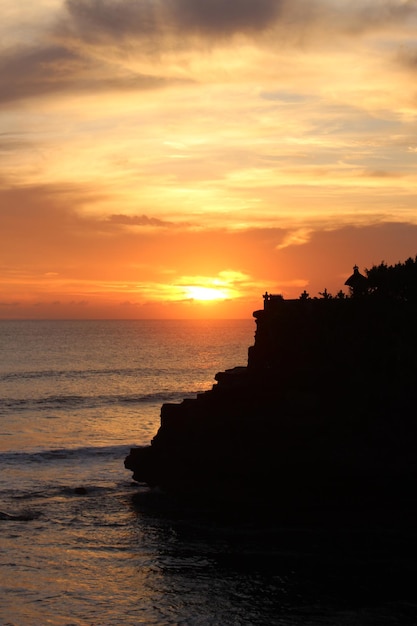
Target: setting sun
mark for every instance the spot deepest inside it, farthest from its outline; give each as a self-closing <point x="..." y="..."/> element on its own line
<point x="206" y="293"/>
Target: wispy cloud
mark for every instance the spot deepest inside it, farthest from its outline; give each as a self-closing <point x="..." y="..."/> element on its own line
<point x="32" y="72"/>
<point x="140" y="220"/>
<point x="297" y="237"/>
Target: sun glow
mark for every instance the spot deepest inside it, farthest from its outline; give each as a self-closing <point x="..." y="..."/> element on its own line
<point x="226" y="285"/>
<point x="206" y="294"/>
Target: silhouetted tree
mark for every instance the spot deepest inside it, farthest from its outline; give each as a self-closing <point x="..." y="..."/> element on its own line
<point x="325" y="295"/>
<point x="394" y="281"/>
<point x="305" y="295"/>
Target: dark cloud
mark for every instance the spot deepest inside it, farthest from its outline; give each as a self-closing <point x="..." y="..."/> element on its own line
<point x="225" y="18"/>
<point x="70" y="58"/>
<point x="37" y="71"/>
<point x="157" y="17"/>
<point x="99" y="18"/>
<point x="147" y="19"/>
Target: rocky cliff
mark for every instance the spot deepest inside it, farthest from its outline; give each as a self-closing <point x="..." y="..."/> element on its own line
<point x="324" y="415"/>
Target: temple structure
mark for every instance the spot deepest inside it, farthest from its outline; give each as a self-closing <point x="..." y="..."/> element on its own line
<point x="357" y="283"/>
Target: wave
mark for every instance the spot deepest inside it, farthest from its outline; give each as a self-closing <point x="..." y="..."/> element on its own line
<point x="70" y="401"/>
<point x="37" y="374"/>
<point x="18" y="517"/>
<point x="59" y="454"/>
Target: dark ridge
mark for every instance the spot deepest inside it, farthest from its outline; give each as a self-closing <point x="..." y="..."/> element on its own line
<point x="321" y="422"/>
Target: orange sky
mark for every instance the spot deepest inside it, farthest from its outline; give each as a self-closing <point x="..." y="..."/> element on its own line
<point x="156" y="153"/>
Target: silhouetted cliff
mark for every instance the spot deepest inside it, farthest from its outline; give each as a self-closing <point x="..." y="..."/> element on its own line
<point x="324" y="414"/>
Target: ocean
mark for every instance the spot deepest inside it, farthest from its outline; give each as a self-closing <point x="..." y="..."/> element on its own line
<point x="83" y="545"/>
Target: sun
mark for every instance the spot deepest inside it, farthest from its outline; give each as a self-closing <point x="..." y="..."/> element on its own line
<point x="208" y="289"/>
<point x="206" y="294"/>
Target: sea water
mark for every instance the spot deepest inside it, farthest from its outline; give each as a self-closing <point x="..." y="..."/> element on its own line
<point x="81" y="546"/>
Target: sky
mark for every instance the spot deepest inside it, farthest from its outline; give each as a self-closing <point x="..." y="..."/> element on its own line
<point x="178" y="158"/>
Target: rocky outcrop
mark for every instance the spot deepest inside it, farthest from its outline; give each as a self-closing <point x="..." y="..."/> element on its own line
<point x="324" y="414"/>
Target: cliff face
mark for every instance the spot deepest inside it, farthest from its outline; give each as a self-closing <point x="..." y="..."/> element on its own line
<point x="323" y="414"/>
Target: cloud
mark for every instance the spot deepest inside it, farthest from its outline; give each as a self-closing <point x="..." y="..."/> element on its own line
<point x="407" y="57"/>
<point x="40" y="70"/>
<point x="54" y="203"/>
<point x="225" y="18"/>
<point x="109" y="45"/>
<point x="98" y="19"/>
<point x="297" y="237"/>
<point x="227" y="284"/>
<point x="9" y="142"/>
<point x="145" y="18"/>
<point x="36" y="71"/>
<point x="139" y="220"/>
<point x="11" y="305"/>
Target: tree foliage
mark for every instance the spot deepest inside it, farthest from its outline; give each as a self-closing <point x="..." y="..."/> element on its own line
<point x="394" y="281"/>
